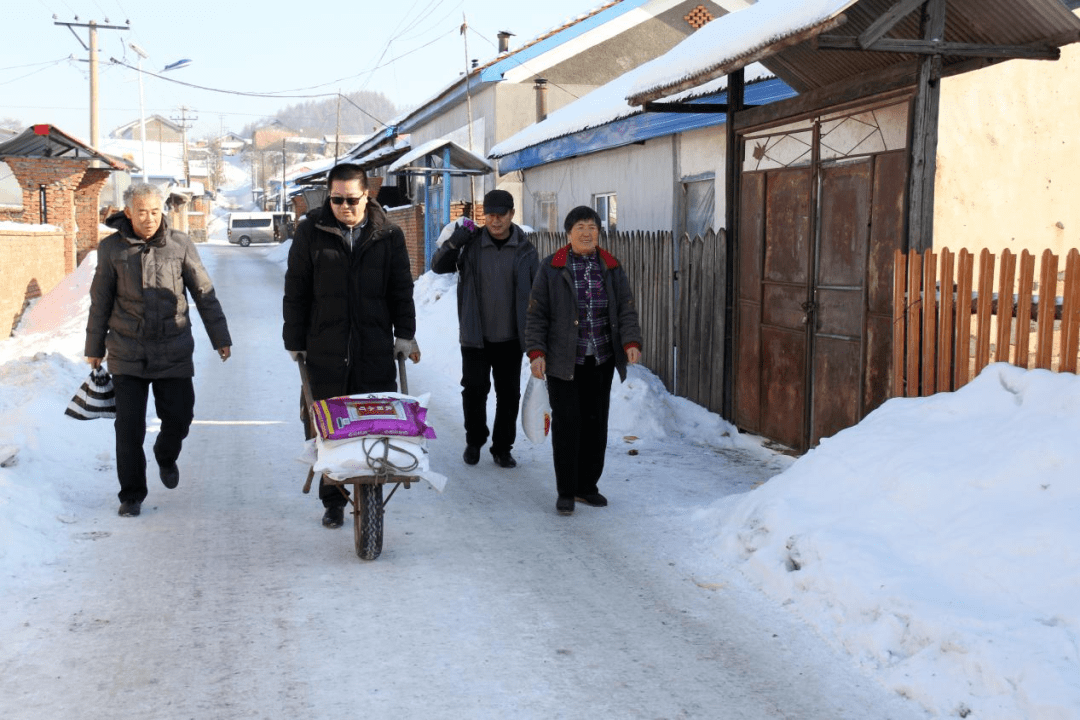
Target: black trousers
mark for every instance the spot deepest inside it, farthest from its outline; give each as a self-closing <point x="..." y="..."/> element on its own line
<point x="174" y="400"/>
<point x="579" y="423"/>
<point x="501" y="361"/>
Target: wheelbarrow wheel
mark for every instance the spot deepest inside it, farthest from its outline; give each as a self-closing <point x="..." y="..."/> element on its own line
<point x="368" y="521"/>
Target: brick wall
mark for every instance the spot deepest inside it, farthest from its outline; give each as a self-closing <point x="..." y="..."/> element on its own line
<point x="197" y="219"/>
<point x="72" y="190"/>
<point x="31" y="264"/>
<point x="87" y="194"/>
<point x="411" y="221"/>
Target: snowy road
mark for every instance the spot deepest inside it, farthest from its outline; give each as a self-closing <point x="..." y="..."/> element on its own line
<point x="227" y="599"/>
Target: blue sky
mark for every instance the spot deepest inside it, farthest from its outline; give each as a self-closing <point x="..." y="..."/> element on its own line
<point x="408" y="50"/>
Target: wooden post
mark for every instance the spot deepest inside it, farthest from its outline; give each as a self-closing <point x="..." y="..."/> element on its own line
<point x="924" y="133"/>
<point x="900" y="260"/>
<point x="1070" y="315"/>
<point x="929" y="322"/>
<point x="1005" y="305"/>
<point x="1044" y="348"/>
<point x="945" y="330"/>
<point x="985" y="310"/>
<point x="1023" y="309"/>
<point x="732" y="194"/>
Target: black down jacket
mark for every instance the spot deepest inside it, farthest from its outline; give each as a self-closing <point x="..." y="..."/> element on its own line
<point x="138" y="303"/>
<point x="345" y="308"/>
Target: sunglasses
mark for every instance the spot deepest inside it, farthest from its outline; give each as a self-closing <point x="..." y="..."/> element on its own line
<point x="353" y="201"/>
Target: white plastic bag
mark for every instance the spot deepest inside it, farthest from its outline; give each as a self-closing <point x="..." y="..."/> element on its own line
<point x="536" y="411"/>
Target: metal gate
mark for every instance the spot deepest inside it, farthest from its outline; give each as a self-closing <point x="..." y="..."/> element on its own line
<point x="821" y="208"/>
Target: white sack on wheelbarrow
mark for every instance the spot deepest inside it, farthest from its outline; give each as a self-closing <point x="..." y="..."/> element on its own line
<point x="365" y="455"/>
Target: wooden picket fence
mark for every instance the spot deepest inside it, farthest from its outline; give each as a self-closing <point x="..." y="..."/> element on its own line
<point x="948" y="322"/>
<point x="678" y="286"/>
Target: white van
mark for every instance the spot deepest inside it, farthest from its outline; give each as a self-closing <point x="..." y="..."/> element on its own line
<point x="246" y="228"/>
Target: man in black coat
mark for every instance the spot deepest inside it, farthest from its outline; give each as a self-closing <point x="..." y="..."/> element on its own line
<point x="348" y="304"/>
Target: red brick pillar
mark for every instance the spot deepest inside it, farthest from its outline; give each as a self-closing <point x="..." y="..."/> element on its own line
<point x="59" y="177"/>
<point x="87" y="195"/>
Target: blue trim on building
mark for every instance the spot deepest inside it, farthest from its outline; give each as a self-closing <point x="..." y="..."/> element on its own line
<point x="638" y="128"/>
<point x="495" y="71"/>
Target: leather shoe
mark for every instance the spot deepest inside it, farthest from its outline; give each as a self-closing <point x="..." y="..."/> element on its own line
<point x="334" y="517"/>
<point x="471" y="455"/>
<point x="130" y="509"/>
<point x="504" y="460"/>
<point x="170" y="475"/>
<point x="564" y="505"/>
<point x="593" y="500"/>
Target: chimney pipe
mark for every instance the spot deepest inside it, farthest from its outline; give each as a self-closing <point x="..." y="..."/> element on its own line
<point x="475" y="63"/>
<point x="504" y="41"/>
<point x="541" y="99"/>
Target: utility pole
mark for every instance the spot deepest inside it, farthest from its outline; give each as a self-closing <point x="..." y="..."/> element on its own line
<point x="183" y="134"/>
<point x="468" y="99"/>
<point x="92" y="50"/>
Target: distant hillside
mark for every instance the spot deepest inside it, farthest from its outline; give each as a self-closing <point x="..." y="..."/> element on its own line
<point x="320" y="117"/>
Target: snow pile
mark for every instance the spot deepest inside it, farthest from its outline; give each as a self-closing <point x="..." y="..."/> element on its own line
<point x="936" y="542"/>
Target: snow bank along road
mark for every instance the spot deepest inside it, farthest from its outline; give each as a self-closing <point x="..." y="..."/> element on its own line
<point x="227" y="599"/>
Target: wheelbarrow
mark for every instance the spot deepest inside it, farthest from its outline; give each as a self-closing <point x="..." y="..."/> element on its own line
<point x="366" y="499"/>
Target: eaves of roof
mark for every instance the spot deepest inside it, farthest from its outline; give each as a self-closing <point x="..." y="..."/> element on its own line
<point x="638" y="128"/>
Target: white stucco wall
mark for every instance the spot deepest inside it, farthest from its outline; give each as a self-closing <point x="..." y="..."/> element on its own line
<point x="640" y="175"/>
<point x="1009" y="157"/>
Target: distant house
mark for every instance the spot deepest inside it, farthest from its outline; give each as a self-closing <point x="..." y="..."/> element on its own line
<point x="158" y="129"/>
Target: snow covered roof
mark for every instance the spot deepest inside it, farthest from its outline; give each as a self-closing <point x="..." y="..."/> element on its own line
<point x="729" y="43"/>
<point x="602" y="106"/>
<point x="462" y="161"/>
<point x="779" y="33"/>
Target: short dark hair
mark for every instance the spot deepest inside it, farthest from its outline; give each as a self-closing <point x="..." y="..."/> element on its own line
<point x="346" y="172"/>
<point x="582" y="212"/>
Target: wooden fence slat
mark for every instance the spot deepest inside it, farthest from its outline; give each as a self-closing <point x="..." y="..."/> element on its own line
<point x="1070" y="316"/>
<point x="914" y="329"/>
<point x="945" y="329"/>
<point x="1005" y="306"/>
<point x="962" y="352"/>
<point x="900" y="262"/>
<point x="1044" y="348"/>
<point x="984" y="310"/>
<point x="929" y="322"/>
<point x="1023" y="309"/>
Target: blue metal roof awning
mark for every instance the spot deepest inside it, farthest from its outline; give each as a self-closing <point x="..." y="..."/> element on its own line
<point x="638" y="128"/>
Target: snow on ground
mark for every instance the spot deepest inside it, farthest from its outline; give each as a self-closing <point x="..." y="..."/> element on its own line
<point x="935" y="542"/>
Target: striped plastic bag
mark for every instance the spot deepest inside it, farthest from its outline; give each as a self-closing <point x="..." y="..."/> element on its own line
<point x="95" y="399"/>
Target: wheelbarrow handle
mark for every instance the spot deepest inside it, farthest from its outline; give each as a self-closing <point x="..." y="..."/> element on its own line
<point x="305" y="389"/>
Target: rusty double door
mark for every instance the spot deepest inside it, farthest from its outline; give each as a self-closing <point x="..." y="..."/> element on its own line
<point x="813" y="298"/>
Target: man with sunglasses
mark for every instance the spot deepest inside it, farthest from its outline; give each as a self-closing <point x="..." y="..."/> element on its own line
<point x="348" y="305"/>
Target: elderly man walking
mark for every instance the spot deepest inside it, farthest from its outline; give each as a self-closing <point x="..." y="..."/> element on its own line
<point x="496" y="265"/>
<point x="139" y="324"/>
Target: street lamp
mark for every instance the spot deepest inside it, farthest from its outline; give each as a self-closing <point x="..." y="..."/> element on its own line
<point x="142" y="113"/>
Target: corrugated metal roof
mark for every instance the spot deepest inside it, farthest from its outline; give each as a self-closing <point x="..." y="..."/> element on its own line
<point x="805" y="67"/>
<point x="50" y="141"/>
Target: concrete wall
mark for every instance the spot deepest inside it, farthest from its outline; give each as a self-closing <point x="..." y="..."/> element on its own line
<point x="1009" y="157"/>
<point x="31" y="264"/>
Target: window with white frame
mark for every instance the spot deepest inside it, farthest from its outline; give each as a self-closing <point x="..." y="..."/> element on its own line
<point x="547" y="212"/>
<point x="606" y="207"/>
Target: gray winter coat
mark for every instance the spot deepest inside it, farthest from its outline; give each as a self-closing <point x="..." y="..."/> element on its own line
<point x="461" y="253"/>
<point x="553" y="326"/>
<point x="139" y="307"/>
